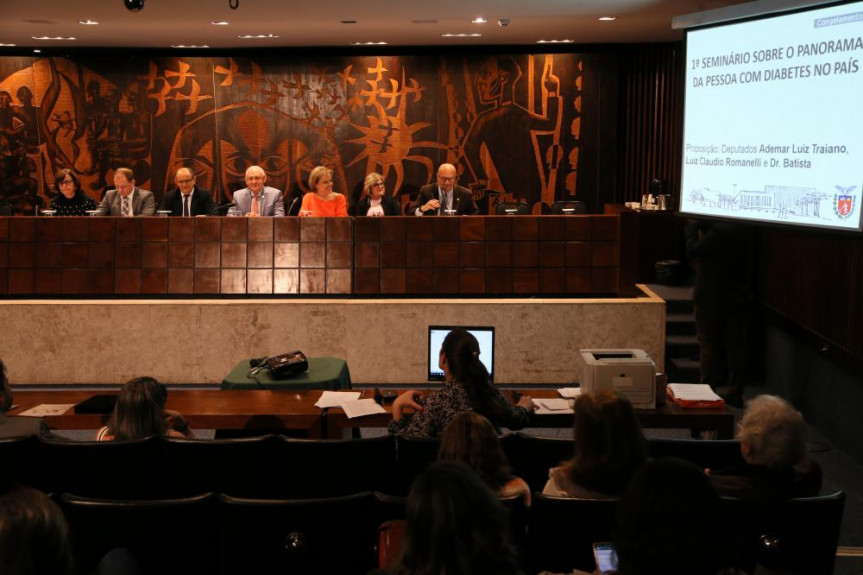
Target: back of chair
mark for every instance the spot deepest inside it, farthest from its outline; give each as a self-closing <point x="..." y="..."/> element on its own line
<point x="709" y="454"/>
<point x="164" y="536"/>
<point x="130" y="469"/>
<point x="567" y="208"/>
<point x="413" y="454"/>
<point x="793" y="536"/>
<point x="512" y="208"/>
<point x="561" y="532"/>
<point x="532" y="456"/>
<point x="278" y="536"/>
<point x="337" y="467"/>
<point x="17" y="455"/>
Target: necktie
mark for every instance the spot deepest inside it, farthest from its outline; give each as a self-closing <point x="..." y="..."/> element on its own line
<point x="255" y="207"/>
<point x="186" y="205"/>
<point x="126" y="211"/>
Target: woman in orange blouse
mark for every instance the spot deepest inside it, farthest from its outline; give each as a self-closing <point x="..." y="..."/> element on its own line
<point x="322" y="201"/>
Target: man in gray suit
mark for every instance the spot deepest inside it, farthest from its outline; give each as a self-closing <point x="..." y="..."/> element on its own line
<point x="126" y="199"/>
<point x="256" y="199"/>
<point x="16" y="426"/>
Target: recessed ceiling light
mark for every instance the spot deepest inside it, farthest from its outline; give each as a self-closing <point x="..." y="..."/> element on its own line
<point x="368" y="43"/>
<point x="37" y="51"/>
<point x="219" y="23"/>
<point x="88" y="22"/>
<point x="6" y="45"/>
<point x="257" y="36"/>
<point x="564" y="41"/>
<point x="190" y="46"/>
<point x="52" y="38"/>
<point x="607" y="18"/>
<point x="461" y="35"/>
<point x="479" y="20"/>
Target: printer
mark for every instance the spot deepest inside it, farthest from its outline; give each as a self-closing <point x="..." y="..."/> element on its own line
<point x="628" y="371"/>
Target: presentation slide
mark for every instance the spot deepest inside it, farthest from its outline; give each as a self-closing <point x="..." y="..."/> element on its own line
<point x="773" y="119"/>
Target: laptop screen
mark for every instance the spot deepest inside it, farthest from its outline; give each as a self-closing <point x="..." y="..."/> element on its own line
<point x="437" y="333"/>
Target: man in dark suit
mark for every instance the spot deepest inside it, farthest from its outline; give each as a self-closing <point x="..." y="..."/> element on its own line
<point x="187" y="199"/>
<point x="127" y="199"/>
<point x="16" y="426"/>
<point x="445" y="196"/>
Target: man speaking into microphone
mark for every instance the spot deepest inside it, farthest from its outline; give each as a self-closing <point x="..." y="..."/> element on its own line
<point x="445" y="197"/>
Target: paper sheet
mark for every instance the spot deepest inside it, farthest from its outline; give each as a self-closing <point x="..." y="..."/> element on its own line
<point x="569" y="392"/>
<point x="545" y="406"/>
<point x="46" y="409"/>
<point x="693" y="392"/>
<point x="336" y="398"/>
<point x="361" y="407"/>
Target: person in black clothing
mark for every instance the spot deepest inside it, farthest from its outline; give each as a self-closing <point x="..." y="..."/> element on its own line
<point x="70" y="199"/>
<point x="200" y="201"/>
<point x="375" y="201"/>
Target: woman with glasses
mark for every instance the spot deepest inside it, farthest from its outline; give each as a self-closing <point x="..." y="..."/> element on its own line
<point x="70" y="199"/>
<point x="375" y="201"/>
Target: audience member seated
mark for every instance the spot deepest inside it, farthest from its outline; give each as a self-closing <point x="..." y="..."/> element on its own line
<point x="773" y="444"/>
<point x="609" y="449"/>
<point x="34" y="536"/>
<point x="16" y="426"/>
<point x="466" y="388"/>
<point x="455" y="525"/>
<point x="471" y="439"/>
<point x="70" y="199"/>
<point x="667" y="522"/>
<point x="375" y="201"/>
<point x="140" y="412"/>
<point x="322" y="201"/>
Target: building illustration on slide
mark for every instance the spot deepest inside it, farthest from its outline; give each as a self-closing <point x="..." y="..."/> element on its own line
<point x="779" y="202"/>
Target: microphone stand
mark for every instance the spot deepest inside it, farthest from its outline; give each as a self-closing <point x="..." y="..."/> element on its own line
<point x="217" y="209"/>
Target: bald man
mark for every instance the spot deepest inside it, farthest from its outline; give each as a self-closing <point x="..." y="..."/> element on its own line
<point x="187" y="199"/>
<point x="445" y="196"/>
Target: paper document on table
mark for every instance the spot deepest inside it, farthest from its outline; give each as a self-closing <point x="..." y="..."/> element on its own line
<point x="545" y="406"/>
<point x="569" y="392"/>
<point x="336" y="398"/>
<point x="361" y="407"/>
<point x="693" y="392"/>
<point x="46" y="409"/>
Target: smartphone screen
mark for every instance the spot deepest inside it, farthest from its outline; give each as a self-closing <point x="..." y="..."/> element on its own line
<point x="605" y="557"/>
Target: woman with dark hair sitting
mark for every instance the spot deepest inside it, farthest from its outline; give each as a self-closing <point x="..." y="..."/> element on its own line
<point x="466" y="388"/>
<point x="455" y="525"/>
<point x="471" y="439"/>
<point x="609" y="449"/>
<point x="140" y="412"/>
<point x="70" y="199"/>
<point x="34" y="535"/>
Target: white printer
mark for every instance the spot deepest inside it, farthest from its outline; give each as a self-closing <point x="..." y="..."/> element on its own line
<point x="629" y="371"/>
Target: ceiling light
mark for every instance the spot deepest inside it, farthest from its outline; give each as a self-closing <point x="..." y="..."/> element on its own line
<point x="257" y="36"/>
<point x="88" y="22"/>
<point x="564" y="41"/>
<point x="190" y="46"/>
<point x="52" y="38"/>
<point x="461" y="35"/>
<point x="479" y="20"/>
<point x="219" y="23"/>
<point x="607" y="18"/>
<point x="37" y="51"/>
<point x="134" y="5"/>
<point x="368" y="43"/>
<point x="6" y="45"/>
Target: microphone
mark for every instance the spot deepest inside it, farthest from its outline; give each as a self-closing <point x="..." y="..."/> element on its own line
<point x="222" y="207"/>
<point x="294" y="203"/>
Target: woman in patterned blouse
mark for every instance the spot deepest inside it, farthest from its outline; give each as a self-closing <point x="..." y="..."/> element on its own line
<point x="466" y="388"/>
<point x="70" y="200"/>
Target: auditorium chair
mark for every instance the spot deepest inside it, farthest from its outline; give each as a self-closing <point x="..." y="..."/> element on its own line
<point x="532" y="456"/>
<point x="791" y="536"/>
<point x="18" y="455"/>
<point x="328" y="468"/>
<point x="413" y="454"/>
<point x="561" y="532"/>
<point x="247" y="466"/>
<point x="278" y="536"/>
<point x="567" y="208"/>
<point x="167" y="536"/>
<point x="520" y="209"/>
<point x="707" y="454"/>
<point x="128" y="469"/>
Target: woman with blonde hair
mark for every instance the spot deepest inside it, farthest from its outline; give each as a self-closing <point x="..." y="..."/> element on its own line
<point x="322" y="201"/>
<point x="375" y="201"/>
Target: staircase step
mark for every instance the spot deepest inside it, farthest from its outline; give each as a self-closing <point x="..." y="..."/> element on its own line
<point x="679" y="306"/>
<point x="681" y="346"/>
<point x="680" y="324"/>
<point x="683" y="370"/>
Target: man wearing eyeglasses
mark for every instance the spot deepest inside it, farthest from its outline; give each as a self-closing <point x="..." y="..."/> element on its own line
<point x="445" y="197"/>
<point x="187" y="199"/>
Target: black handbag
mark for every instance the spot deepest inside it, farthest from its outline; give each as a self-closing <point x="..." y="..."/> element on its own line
<point x="288" y="364"/>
